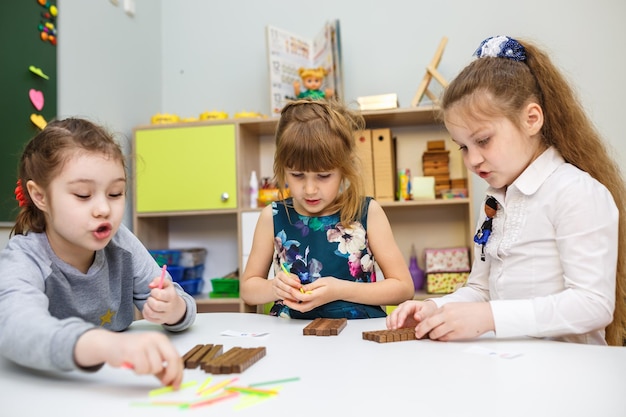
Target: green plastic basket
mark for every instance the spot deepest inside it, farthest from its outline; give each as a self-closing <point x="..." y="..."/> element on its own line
<point x="224" y="288"/>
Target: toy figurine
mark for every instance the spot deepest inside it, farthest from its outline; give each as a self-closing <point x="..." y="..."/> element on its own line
<point x="312" y="80"/>
<point x="482" y="235"/>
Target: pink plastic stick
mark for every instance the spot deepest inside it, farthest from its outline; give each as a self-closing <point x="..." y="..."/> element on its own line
<point x="162" y="276"/>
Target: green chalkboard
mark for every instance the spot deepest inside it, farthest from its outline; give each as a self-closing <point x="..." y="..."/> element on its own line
<point x="21" y="47"/>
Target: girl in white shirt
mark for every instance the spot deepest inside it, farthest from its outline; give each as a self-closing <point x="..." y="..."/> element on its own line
<point x="546" y="263"/>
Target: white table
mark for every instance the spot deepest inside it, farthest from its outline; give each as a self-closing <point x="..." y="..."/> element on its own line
<point x="346" y="375"/>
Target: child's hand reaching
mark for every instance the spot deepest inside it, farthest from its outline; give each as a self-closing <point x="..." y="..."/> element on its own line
<point x="164" y="306"/>
<point x="410" y="314"/>
<point x="285" y="286"/>
<point x="145" y="353"/>
<point x="456" y="321"/>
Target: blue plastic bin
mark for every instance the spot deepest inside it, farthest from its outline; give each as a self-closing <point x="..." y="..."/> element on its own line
<point x="177" y="272"/>
<point x="192" y="286"/>
<point x="169" y="257"/>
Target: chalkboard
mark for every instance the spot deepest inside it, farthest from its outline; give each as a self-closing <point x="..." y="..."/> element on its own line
<point x="21" y="46"/>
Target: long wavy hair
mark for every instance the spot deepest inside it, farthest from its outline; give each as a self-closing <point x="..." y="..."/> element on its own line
<point x="512" y="85"/>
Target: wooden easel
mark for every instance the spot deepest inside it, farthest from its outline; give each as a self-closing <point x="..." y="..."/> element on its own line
<point x="431" y="72"/>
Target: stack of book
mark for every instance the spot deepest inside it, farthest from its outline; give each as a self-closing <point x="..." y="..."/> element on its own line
<point x="436" y="163"/>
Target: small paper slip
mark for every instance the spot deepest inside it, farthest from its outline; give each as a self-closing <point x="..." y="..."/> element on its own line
<point x="235" y="333"/>
<point x="489" y="352"/>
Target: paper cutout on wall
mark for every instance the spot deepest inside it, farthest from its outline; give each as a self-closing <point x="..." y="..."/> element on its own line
<point x="38" y="71"/>
<point x="36" y="97"/>
<point x="38" y="121"/>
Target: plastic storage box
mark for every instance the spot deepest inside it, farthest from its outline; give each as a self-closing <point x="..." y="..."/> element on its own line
<point x="177" y="272"/>
<point x="192" y="286"/>
<point x="192" y="257"/>
<point x="167" y="257"/>
<point x="224" y="288"/>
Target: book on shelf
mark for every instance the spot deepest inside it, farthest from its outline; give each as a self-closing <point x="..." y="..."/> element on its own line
<point x="288" y="52"/>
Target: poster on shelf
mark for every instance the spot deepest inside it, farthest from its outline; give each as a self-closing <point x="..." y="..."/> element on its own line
<point x="288" y="52"/>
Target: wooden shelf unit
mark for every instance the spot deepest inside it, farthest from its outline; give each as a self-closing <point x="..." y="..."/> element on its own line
<point x="227" y="232"/>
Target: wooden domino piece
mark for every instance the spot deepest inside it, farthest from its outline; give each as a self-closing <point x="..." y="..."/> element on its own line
<point x="211" y="359"/>
<point x="309" y="329"/>
<point x="194" y="359"/>
<point x="190" y="353"/>
<point x="236" y="360"/>
<point x="251" y="357"/>
<point x="213" y="353"/>
<point x="387" y="336"/>
<point x="325" y="327"/>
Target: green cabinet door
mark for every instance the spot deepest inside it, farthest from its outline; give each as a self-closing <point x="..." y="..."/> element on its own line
<point x="185" y="168"/>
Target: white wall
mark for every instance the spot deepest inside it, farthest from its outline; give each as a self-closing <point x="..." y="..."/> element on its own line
<point x="188" y="56"/>
<point x="214" y="52"/>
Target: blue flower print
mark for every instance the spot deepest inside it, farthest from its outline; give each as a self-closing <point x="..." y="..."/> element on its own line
<point x="307" y="271"/>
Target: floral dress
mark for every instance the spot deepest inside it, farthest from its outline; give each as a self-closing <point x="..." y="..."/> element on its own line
<point x="313" y="247"/>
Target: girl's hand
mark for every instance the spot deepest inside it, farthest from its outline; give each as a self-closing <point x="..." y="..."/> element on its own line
<point x="285" y="286"/>
<point x="454" y="321"/>
<point x="410" y="313"/>
<point x="321" y="291"/>
<point x="148" y="353"/>
<point x="164" y="306"/>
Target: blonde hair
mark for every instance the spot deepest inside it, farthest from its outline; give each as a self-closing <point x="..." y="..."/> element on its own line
<point x="46" y="153"/>
<point x="512" y="85"/>
<point x="318" y="136"/>
<point x="319" y="72"/>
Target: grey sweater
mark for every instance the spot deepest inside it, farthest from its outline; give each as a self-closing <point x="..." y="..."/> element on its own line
<point x="46" y="304"/>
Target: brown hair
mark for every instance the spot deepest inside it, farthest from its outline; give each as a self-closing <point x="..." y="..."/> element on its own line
<point x="511" y="85"/>
<point x="44" y="157"/>
<point x="318" y="136"/>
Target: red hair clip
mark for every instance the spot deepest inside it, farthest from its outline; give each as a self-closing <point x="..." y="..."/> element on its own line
<point x="19" y="194"/>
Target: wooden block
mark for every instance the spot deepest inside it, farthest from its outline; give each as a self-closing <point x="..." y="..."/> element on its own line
<point x="190" y="353"/>
<point x="441" y="170"/>
<point x="236" y="360"/>
<point x="221" y="364"/>
<point x="387" y="336"/>
<point x="339" y="325"/>
<point x="194" y="360"/>
<point x="211" y="359"/>
<point x="309" y="330"/>
<point x="325" y="327"/>
<point x="252" y="356"/>
<point x="458" y="182"/>
<point x="214" y="352"/>
<point x="436" y="145"/>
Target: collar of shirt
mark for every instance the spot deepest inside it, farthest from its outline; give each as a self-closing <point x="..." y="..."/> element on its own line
<point x="534" y="175"/>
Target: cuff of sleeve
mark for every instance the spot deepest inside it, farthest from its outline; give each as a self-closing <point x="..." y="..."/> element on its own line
<point x="513" y="318"/>
<point x="188" y="319"/>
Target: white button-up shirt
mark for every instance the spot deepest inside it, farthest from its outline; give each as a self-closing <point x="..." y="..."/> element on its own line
<point x="551" y="259"/>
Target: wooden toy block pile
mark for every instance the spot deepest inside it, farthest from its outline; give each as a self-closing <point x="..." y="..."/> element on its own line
<point x="325" y="327"/>
<point x="211" y="360"/>
<point x="436" y="163"/>
<point x="386" y="336"/>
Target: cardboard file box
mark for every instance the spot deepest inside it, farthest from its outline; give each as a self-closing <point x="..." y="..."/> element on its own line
<point x="384" y="161"/>
<point x="363" y="144"/>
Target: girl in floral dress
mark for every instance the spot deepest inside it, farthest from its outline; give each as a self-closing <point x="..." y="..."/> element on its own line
<point x="324" y="240"/>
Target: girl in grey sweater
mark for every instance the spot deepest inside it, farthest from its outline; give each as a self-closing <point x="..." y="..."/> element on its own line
<point x="72" y="274"/>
